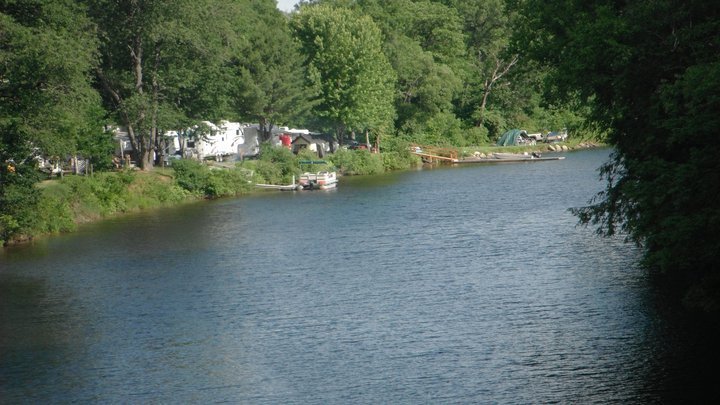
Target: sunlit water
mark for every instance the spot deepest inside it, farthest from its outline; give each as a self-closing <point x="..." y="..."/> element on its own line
<point x="452" y="285"/>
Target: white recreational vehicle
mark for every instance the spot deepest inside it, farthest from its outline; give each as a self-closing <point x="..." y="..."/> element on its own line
<point x="222" y="140"/>
<point x="213" y="140"/>
<point x="226" y="139"/>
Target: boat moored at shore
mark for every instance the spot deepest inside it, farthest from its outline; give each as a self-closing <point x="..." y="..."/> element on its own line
<point x="318" y="181"/>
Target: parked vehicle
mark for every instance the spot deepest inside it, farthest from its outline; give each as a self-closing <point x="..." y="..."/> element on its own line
<point x="355" y="145"/>
<point x="537" y="136"/>
<point x="559" y="136"/>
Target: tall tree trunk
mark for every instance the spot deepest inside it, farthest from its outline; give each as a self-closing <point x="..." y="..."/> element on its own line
<point x="483" y="104"/>
<point x="155" y="137"/>
<point x="340" y="134"/>
<point x="501" y="68"/>
<point x="143" y="158"/>
<point x="265" y="130"/>
<point x="133" y="140"/>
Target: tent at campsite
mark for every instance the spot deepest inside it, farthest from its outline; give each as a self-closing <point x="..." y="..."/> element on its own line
<point x="512" y="137"/>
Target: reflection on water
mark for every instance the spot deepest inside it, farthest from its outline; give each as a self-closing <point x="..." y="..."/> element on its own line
<point x="468" y="284"/>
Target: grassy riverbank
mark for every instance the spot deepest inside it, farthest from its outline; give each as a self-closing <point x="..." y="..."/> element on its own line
<point x="65" y="203"/>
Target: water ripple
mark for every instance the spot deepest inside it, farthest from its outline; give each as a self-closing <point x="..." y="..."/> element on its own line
<point x="460" y="285"/>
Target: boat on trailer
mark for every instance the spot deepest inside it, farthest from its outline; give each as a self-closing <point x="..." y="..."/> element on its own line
<point x="318" y="181"/>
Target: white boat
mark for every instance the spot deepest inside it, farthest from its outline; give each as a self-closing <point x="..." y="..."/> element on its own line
<point x="318" y="181"/>
<point x="500" y="155"/>
<point x="517" y="156"/>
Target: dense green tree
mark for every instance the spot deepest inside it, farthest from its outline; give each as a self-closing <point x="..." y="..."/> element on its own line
<point x="651" y="72"/>
<point x="423" y="86"/>
<point x="47" y="104"/>
<point x="346" y="66"/>
<point x="488" y="24"/>
<point x="455" y="58"/>
<point x="424" y="43"/>
<point x="270" y="77"/>
<point x="437" y="28"/>
<point x="164" y="64"/>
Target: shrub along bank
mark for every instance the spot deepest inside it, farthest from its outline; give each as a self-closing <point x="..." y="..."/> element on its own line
<point x="72" y="200"/>
<point x="64" y="203"/>
<point x="61" y="204"/>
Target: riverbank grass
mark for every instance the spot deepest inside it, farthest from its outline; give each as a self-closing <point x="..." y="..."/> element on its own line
<point x="65" y="203"/>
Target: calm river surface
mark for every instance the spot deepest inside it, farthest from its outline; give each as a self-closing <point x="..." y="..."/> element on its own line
<point x="452" y="285"/>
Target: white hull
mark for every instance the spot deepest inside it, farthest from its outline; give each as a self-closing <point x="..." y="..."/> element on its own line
<point x="318" y="181"/>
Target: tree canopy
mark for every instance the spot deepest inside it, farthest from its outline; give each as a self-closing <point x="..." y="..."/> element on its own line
<point x="47" y="103"/>
<point x="427" y="70"/>
<point x="651" y="73"/>
<point x="269" y="75"/>
<point x="346" y="65"/>
<point x="162" y="64"/>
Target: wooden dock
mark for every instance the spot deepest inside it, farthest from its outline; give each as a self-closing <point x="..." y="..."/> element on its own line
<point x="508" y="160"/>
<point x="432" y="158"/>
<point x="280" y="187"/>
<point x="433" y="154"/>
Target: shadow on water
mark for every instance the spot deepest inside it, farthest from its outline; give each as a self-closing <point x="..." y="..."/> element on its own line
<point x="688" y="352"/>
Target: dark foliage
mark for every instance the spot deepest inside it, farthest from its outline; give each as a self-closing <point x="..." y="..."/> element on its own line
<point x="651" y="71"/>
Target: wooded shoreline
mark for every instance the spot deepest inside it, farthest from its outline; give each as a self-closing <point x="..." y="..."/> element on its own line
<point x="75" y="200"/>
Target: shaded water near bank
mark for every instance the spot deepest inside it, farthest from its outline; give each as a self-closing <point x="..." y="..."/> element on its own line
<point x="462" y="285"/>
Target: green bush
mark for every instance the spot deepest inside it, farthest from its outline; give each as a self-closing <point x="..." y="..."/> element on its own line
<point x="97" y="196"/>
<point x="357" y="162"/>
<point x="222" y="183"/>
<point x="438" y="129"/>
<point x="54" y="215"/>
<point x="18" y="202"/>
<point x="476" y="136"/>
<point x="198" y="179"/>
<point x="399" y="160"/>
<point x="61" y="204"/>
<point x="494" y="122"/>
<point x="268" y="173"/>
<point x="191" y="175"/>
<point x="8" y="227"/>
<point x="444" y="129"/>
<point x="18" y="206"/>
<point x="58" y="205"/>
<point x="157" y="189"/>
<point x="112" y="190"/>
<point x="285" y="163"/>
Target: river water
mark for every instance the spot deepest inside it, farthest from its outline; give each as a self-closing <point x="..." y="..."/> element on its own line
<point x="469" y="284"/>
